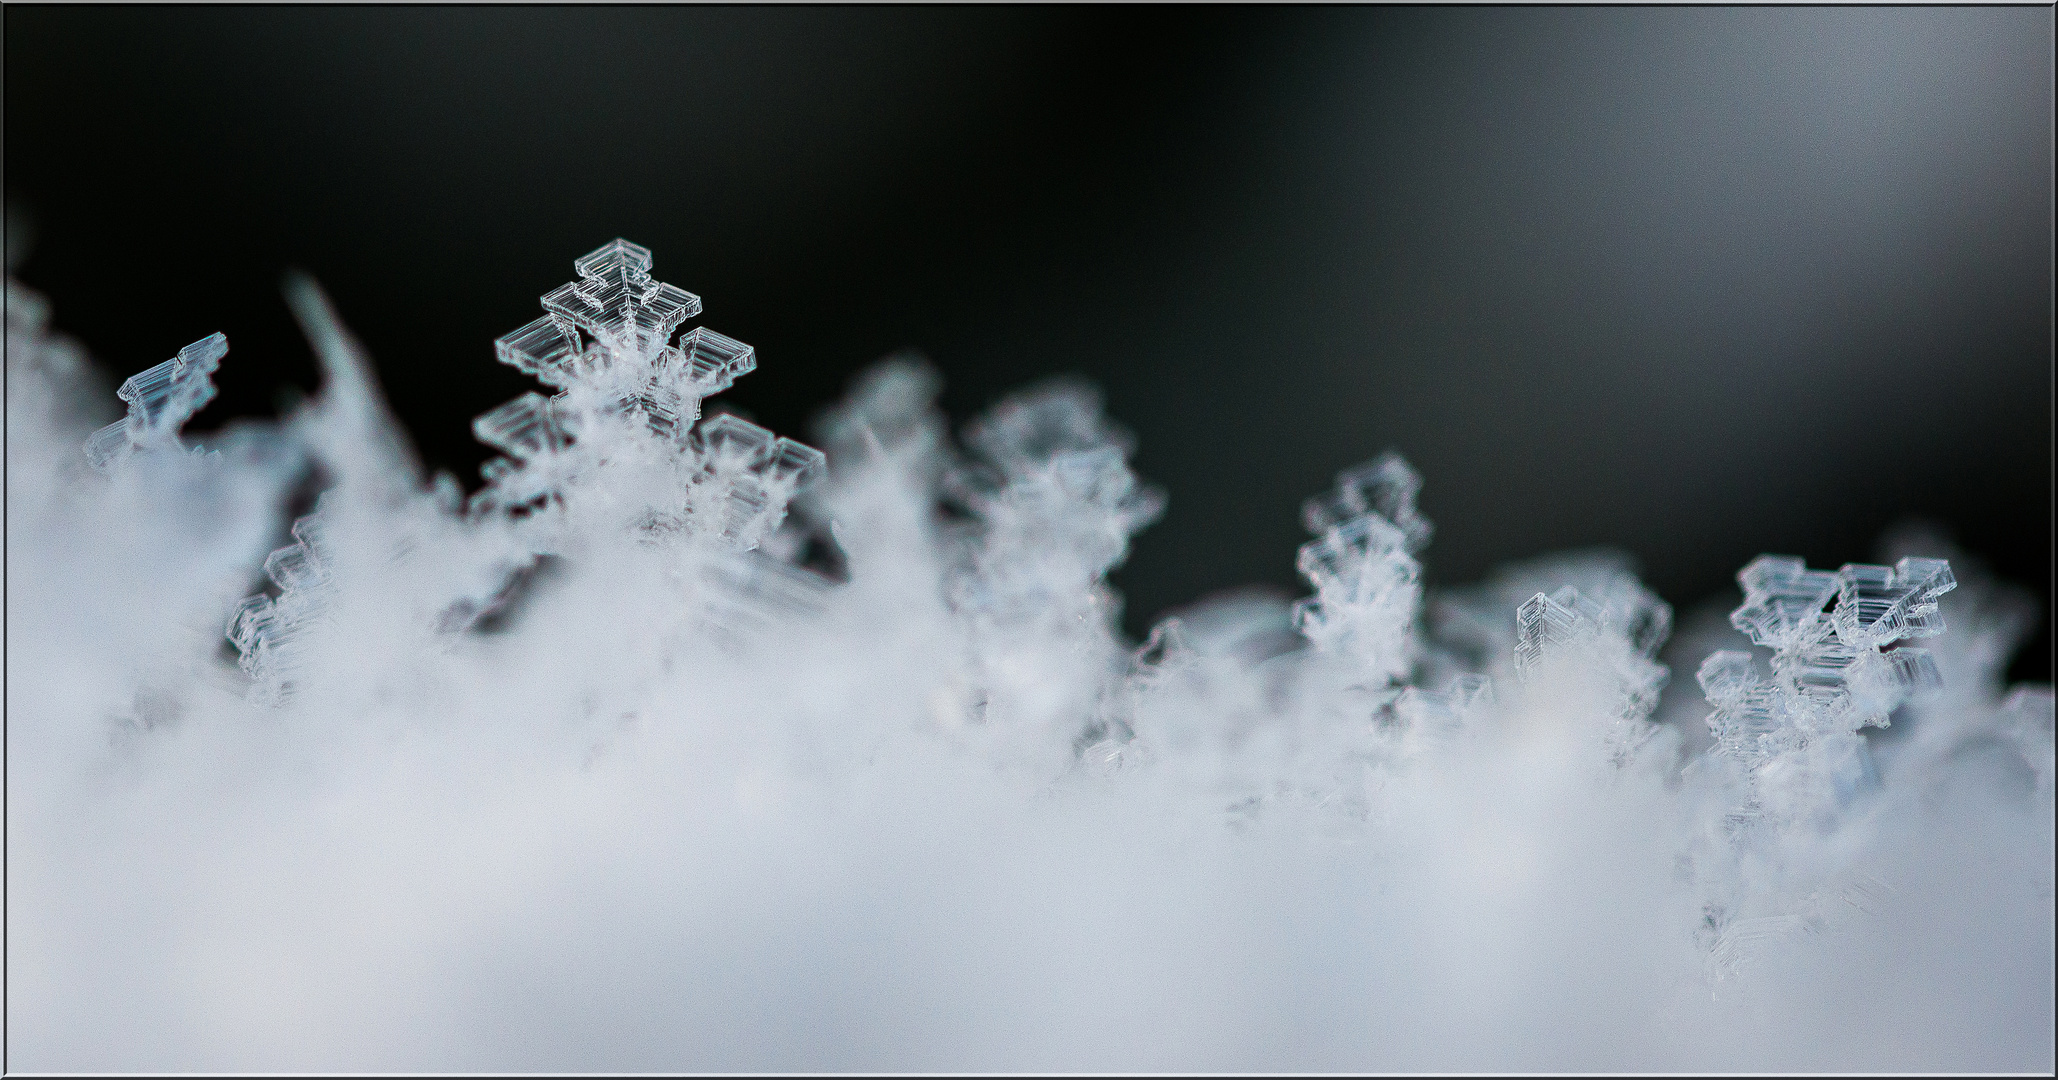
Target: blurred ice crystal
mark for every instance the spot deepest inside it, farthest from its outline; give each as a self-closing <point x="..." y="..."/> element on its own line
<point x="1053" y="504"/>
<point x="1368" y="591"/>
<point x="1793" y="737"/>
<point x="1610" y="639"/>
<point x="1386" y="486"/>
<point x="161" y="399"/>
<point x="1439" y="716"/>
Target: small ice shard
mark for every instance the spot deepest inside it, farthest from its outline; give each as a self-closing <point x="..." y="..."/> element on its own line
<point x="267" y="631"/>
<point x="756" y="474"/>
<point x="1385" y="486"/>
<point x="1784" y="602"/>
<point x="1544" y="623"/>
<point x="161" y="400"/>
<point x="1437" y="716"/>
<point x="522" y="429"/>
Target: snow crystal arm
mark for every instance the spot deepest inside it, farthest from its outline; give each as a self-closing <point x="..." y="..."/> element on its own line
<point x="713" y="361"/>
<point x="1545" y="622"/>
<point x="1385" y="486"/>
<point x="161" y="399"/>
<point x="543" y="349"/>
<point x="522" y="428"/>
<point x="1783" y="601"/>
<point x="1726" y="676"/>
<point x="617" y="301"/>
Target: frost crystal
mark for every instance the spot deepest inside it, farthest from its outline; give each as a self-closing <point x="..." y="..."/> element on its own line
<point x="1368" y="590"/>
<point x="628" y="398"/>
<point x="161" y="400"/>
<point x="628" y="643"/>
<point x="1053" y="504"/>
<point x="1796" y="733"/>
<point x="1612" y="637"/>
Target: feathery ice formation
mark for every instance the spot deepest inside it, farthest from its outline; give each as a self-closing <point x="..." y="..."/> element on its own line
<point x="619" y="623"/>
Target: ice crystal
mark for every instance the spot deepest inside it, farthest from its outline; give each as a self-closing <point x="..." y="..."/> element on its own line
<point x="673" y="693"/>
<point x="1612" y="637"/>
<point x="1833" y="671"/>
<point x="1368" y="591"/>
<point x="625" y="409"/>
<point x="161" y="400"/>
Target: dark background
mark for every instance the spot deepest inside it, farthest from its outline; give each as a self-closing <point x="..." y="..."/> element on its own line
<point x="1698" y="283"/>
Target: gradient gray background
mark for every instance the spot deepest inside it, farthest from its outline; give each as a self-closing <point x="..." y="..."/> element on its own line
<point x="1697" y="283"/>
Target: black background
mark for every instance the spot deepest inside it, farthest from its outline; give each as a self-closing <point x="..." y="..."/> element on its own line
<point x="1696" y="283"/>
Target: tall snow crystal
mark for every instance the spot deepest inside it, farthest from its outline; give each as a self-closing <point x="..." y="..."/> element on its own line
<point x="1834" y="671"/>
<point x="681" y="745"/>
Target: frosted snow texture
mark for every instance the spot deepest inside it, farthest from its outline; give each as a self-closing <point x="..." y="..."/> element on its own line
<point x="679" y="729"/>
<point x="628" y="397"/>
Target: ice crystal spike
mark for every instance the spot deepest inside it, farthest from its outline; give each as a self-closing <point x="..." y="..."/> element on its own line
<point x="1878" y="605"/>
<point x="760" y="472"/>
<point x="1784" y="601"/>
<point x="713" y="361"/>
<point x="604" y="339"/>
<point x="522" y="428"/>
<point x="1546" y="622"/>
<point x="627" y="395"/>
<point x="1367" y="582"/>
<point x="1385" y="486"/>
<point x="1726" y="676"/>
<point x="161" y="400"/>
<point x="617" y="301"/>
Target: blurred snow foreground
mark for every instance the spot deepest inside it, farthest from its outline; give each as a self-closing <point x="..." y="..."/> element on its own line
<point x="600" y="768"/>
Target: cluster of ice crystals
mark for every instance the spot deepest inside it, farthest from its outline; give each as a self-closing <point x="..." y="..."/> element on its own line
<point x="1368" y="592"/>
<point x="628" y="575"/>
<point x="615" y="453"/>
<point x="625" y="411"/>
<point x="161" y="399"/>
<point x="1610" y="638"/>
<point x="1053" y="504"/>
<point x="1832" y="671"/>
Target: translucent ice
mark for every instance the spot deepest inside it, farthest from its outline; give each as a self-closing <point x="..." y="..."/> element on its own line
<point x="1606" y="645"/>
<point x="623" y="418"/>
<point x="161" y="400"/>
<point x="680" y="729"/>
<point x="1368" y="592"/>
